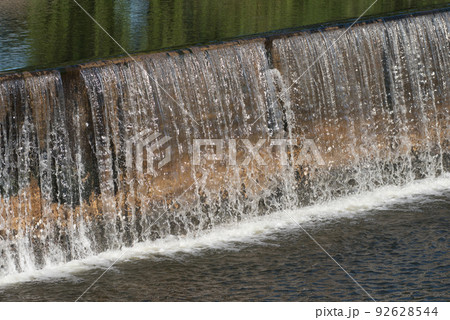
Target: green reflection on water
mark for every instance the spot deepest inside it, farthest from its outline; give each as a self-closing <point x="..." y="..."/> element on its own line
<point x="58" y="32"/>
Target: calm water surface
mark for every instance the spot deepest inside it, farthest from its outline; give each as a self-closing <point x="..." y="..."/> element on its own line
<point x="44" y="33"/>
<point x="397" y="254"/>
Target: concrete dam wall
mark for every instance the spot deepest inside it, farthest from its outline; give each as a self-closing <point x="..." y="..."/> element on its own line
<point x="107" y="154"/>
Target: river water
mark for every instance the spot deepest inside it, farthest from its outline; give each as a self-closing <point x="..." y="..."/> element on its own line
<point x="41" y="33"/>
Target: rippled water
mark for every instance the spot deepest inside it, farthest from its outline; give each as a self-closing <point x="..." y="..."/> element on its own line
<point x="394" y="241"/>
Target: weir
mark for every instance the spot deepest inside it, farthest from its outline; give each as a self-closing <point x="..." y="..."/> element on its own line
<point x="100" y="156"/>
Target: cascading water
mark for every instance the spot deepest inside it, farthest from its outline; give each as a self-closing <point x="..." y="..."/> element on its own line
<point x="380" y="97"/>
<point x="77" y="176"/>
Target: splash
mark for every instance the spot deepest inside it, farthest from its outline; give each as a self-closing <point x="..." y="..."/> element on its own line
<point x="234" y="236"/>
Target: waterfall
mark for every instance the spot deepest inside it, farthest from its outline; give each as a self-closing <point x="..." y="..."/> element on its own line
<point x="100" y="156"/>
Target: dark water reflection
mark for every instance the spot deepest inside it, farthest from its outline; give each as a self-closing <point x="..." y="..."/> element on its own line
<point x="42" y="33"/>
<point x="397" y="254"/>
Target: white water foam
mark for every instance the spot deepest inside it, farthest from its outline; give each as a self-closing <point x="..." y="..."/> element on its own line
<point x="248" y="231"/>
